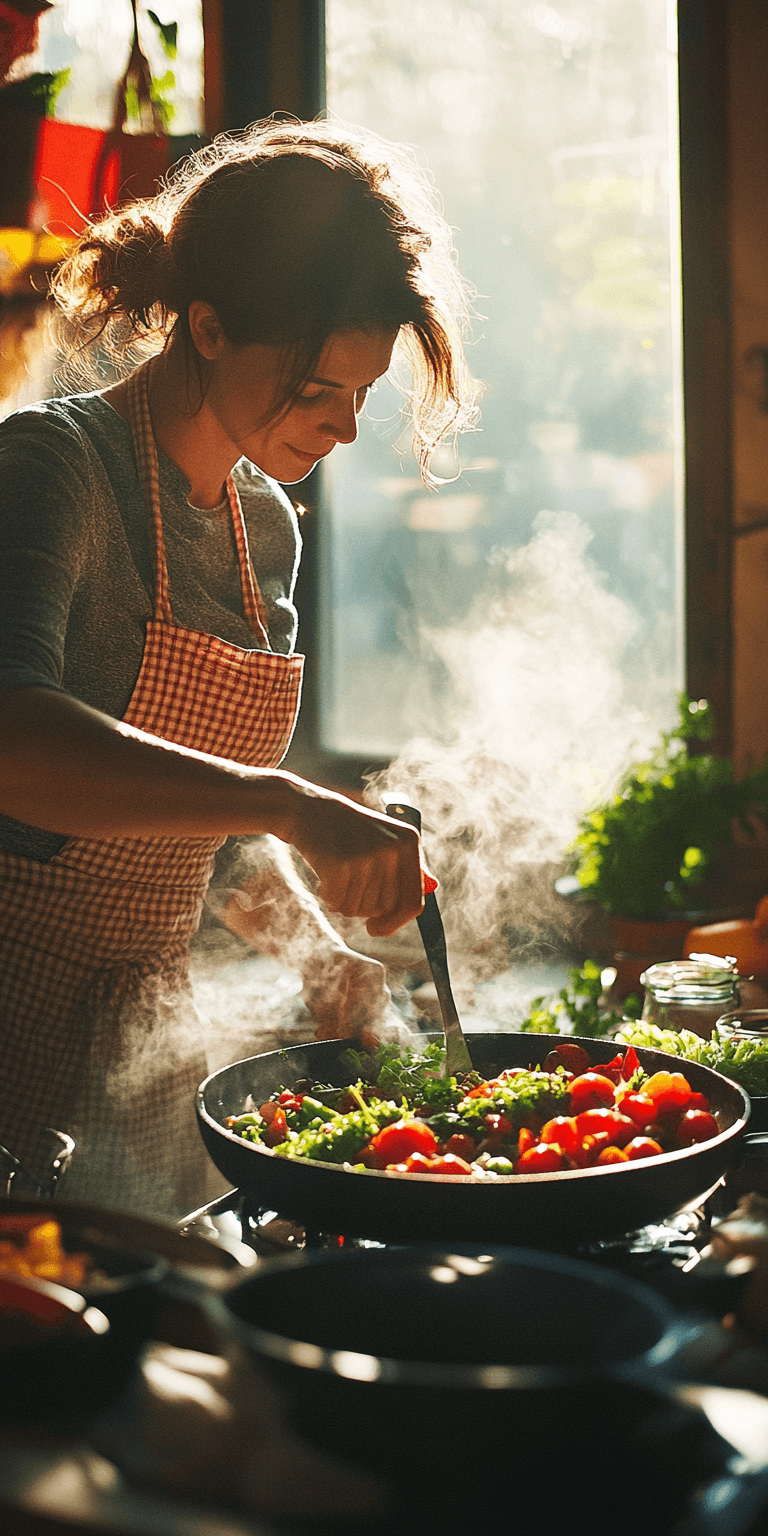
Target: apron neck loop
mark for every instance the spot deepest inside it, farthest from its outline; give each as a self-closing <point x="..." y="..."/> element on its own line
<point x="145" y="450"/>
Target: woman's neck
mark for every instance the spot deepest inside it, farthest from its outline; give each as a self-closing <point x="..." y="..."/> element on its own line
<point x="190" y="436"/>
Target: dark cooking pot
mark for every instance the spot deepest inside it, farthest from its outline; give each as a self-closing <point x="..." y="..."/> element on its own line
<point x="514" y="1386"/>
<point x="554" y="1211"/>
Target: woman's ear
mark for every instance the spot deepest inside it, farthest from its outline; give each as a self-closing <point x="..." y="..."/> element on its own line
<point x="205" y="329"/>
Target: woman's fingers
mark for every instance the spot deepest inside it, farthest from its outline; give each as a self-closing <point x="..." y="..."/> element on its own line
<point x="368" y="865"/>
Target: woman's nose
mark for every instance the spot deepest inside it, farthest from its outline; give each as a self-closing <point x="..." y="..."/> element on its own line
<point x="342" y="422"/>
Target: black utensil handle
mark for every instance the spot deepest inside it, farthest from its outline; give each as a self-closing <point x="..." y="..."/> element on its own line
<point x="402" y="812"/>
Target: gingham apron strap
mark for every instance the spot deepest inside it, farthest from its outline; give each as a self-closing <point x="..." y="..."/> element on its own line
<point x="149" y="478"/>
<point x="253" y="602"/>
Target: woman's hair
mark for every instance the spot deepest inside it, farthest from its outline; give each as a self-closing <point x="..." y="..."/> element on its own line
<point x="293" y="232"/>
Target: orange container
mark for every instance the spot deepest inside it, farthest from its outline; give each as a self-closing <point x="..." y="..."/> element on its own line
<point x="744" y="938"/>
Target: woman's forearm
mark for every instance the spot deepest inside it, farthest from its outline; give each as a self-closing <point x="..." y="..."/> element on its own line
<point x="67" y="768"/>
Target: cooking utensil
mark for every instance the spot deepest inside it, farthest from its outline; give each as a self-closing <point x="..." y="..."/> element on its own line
<point x="550" y="1210"/>
<point x="457" y="1057"/>
<point x="521" y="1363"/>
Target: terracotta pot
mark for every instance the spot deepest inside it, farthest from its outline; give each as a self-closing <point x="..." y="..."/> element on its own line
<point x="638" y="943"/>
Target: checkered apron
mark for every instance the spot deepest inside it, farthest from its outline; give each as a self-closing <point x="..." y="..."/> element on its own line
<point x="98" y="1031"/>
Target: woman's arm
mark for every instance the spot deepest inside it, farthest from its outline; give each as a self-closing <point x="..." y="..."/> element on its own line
<point x="69" y="769"/>
<point x="266" y="902"/>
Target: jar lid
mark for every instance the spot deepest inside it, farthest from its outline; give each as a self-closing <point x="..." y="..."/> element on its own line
<point x="701" y="978"/>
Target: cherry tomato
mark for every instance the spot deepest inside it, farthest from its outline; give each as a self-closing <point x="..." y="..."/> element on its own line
<point x="669" y="1091"/>
<point x="449" y="1164"/>
<point x="639" y="1108"/>
<point x="396" y="1142"/>
<point x="696" y="1125"/>
<point x="590" y="1091"/>
<point x="498" y="1125"/>
<point x="611" y="1155"/>
<point x="525" y="1140"/>
<point x="642" y="1146"/>
<point x="460" y="1146"/>
<point x="619" y="1128"/>
<point x="573" y="1057"/>
<point x="698" y="1101"/>
<point x="290" y="1098"/>
<point x="589" y="1149"/>
<point x="562" y="1131"/>
<point x="543" y="1158"/>
<point x="416" y="1163"/>
<point x="277" y="1130"/>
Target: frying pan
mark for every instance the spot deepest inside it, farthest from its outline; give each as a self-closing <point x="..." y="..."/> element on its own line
<point x="555" y="1211"/>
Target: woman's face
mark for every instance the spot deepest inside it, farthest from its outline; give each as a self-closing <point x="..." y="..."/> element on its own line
<point x="243" y="388"/>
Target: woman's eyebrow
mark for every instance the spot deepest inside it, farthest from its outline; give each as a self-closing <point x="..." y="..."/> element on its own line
<point x="333" y="384"/>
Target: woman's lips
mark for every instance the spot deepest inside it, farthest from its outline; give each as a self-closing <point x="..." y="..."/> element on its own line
<point x="309" y="458"/>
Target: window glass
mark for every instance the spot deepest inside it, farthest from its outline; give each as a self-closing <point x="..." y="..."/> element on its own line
<point x="550" y="132"/>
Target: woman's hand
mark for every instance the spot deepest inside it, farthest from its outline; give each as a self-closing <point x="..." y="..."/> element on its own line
<point x="367" y="865"/>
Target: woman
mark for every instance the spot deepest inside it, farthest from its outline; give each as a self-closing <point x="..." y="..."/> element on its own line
<point x="149" y="685"/>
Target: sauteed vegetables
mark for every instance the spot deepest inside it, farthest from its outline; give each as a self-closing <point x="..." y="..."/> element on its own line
<point x="402" y="1117"/>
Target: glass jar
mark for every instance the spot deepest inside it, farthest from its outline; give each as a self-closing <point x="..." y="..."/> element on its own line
<point x="691" y="994"/>
<point x="744" y="1024"/>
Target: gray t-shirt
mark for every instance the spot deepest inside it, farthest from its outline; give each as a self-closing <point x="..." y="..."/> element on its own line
<point x="76" y="562"/>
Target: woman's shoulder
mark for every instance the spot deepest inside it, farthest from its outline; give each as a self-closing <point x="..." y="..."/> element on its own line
<point x="68" y="426"/>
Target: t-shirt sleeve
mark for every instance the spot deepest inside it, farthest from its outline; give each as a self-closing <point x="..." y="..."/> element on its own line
<point x="45" y="528"/>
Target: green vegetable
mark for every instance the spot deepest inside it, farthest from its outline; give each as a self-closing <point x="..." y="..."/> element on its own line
<point x="587" y="1017"/>
<point x="338" y="1138"/>
<point x="646" y="850"/>
<point x="522" y="1094"/>
<point x="746" y="1061"/>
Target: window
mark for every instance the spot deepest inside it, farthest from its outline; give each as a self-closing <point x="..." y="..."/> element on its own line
<point x="551" y="134"/>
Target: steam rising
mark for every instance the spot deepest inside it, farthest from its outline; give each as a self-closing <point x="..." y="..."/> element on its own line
<point x="539" y="727"/>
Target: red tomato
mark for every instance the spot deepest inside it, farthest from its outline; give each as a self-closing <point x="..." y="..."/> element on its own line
<point x="461" y="1146"/>
<point x="290" y="1098"/>
<point x="696" y="1125"/>
<point x="543" y="1158"/>
<point x="669" y="1091"/>
<point x="525" y="1140"/>
<point x="611" y="1155"/>
<point x="416" y="1163"/>
<point x="277" y="1130"/>
<point x="642" y="1146"/>
<point x="367" y="1157"/>
<point x="698" y="1101"/>
<point x="562" y="1132"/>
<point x="396" y="1142"/>
<point x="446" y="1165"/>
<point x="639" y="1108"/>
<point x="573" y="1057"/>
<point x="619" y="1128"/>
<point x="498" y="1125"/>
<point x="590" y="1091"/>
<point x="589" y="1149"/>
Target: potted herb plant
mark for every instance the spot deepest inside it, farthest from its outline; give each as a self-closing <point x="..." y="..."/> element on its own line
<point x="655" y="855"/>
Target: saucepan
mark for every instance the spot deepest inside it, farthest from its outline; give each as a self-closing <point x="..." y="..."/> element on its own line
<point x="512" y="1390"/>
<point x="555" y="1211"/>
